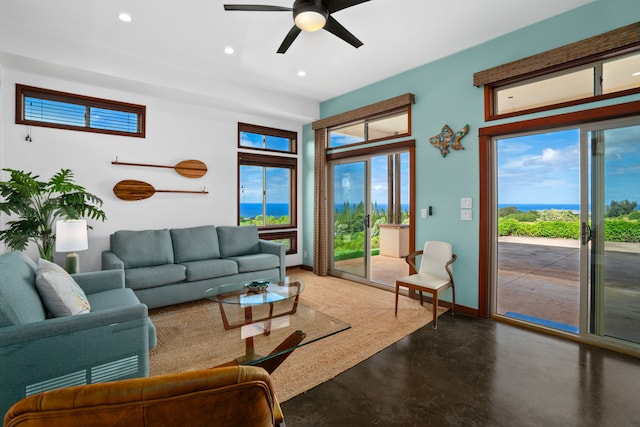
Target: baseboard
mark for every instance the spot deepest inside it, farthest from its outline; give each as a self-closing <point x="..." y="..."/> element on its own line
<point x="460" y="309"/>
<point x="300" y="266"/>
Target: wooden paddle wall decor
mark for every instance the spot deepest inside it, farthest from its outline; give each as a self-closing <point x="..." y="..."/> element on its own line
<point x="131" y="189"/>
<point x="186" y="168"/>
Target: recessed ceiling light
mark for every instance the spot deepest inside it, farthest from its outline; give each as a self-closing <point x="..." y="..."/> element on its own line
<point x="125" y="17"/>
<point x="636" y="74"/>
<point x="228" y="50"/>
<point x="302" y="73"/>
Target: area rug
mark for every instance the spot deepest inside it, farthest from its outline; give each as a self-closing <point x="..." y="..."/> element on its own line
<point x="185" y="339"/>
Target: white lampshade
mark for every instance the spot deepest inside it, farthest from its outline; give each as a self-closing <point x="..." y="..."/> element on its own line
<point x="71" y="236"/>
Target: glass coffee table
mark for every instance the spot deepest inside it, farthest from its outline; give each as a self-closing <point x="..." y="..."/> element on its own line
<point x="266" y="316"/>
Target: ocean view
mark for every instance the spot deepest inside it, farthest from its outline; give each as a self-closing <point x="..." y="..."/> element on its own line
<point x="542" y="207"/>
<point x="251" y="210"/>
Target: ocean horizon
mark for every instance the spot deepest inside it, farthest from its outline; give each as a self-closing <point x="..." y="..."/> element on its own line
<point x="251" y="210"/>
<point x="526" y="207"/>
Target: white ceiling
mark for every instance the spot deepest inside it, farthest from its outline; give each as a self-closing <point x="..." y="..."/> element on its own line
<point x="177" y="46"/>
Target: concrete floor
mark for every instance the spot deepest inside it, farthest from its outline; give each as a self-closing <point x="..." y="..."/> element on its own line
<point x="475" y="372"/>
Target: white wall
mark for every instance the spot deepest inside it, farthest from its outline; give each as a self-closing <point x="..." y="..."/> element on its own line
<point x="175" y="131"/>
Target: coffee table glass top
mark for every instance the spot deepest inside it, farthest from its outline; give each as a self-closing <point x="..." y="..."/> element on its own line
<point x="257" y="292"/>
<point x="264" y="328"/>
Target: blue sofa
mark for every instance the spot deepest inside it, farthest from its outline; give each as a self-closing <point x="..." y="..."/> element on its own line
<point x="38" y="353"/>
<point x="165" y="267"/>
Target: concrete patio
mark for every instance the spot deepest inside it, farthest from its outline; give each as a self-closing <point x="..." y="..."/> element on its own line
<point x="540" y="278"/>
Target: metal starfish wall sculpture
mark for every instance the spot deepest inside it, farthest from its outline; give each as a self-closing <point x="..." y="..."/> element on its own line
<point x="447" y="139"/>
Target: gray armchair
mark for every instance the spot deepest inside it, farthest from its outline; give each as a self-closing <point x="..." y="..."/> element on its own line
<point x="37" y="353"/>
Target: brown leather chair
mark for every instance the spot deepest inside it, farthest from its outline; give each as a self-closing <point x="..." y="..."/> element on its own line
<point x="228" y="396"/>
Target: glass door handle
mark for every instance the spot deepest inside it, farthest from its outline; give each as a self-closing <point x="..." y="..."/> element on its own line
<point x="367" y="221"/>
<point x="585" y="233"/>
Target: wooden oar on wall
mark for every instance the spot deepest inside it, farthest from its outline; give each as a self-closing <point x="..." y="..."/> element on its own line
<point x="188" y="168"/>
<point x="131" y="189"/>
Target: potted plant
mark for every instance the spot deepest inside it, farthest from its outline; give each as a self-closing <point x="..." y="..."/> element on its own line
<point x="38" y="204"/>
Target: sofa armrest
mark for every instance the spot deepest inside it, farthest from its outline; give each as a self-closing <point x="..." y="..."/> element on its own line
<point x="100" y="281"/>
<point x="63" y="326"/>
<point x="111" y="261"/>
<point x="94" y="347"/>
<point x="275" y="248"/>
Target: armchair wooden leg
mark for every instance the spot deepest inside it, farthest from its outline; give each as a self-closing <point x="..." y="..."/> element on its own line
<point x="397" y="290"/>
<point x="453" y="299"/>
<point x="435" y="310"/>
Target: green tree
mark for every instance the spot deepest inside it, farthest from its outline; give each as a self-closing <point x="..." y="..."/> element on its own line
<point x="508" y="210"/>
<point x="38" y="204"/>
<point x="620" y="208"/>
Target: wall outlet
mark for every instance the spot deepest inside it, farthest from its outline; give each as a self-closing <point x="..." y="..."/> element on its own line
<point x="466" y="214"/>
<point x="466" y="203"/>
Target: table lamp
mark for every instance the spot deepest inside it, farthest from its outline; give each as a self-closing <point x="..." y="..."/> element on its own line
<point x="71" y="236"/>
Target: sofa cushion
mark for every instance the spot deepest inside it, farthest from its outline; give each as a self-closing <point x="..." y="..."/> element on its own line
<point x="195" y="244"/>
<point x="59" y="292"/>
<point x="149" y="277"/>
<point x="256" y="262"/>
<point x="143" y="248"/>
<point x="113" y="298"/>
<point x="19" y="299"/>
<point x="210" y="268"/>
<point x="238" y="240"/>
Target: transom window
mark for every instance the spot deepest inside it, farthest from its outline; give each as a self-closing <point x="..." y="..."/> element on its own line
<point x="264" y="138"/>
<point x="48" y="108"/>
<point x="577" y="84"/>
<point x="604" y="66"/>
<point x="378" y="128"/>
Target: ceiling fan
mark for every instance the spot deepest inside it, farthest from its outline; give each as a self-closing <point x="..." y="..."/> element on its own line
<point x="308" y="15"/>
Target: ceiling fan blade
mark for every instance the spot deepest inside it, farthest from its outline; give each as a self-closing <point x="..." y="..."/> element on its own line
<point x="335" y="28"/>
<point x="336" y="5"/>
<point x="256" y="8"/>
<point x="291" y="36"/>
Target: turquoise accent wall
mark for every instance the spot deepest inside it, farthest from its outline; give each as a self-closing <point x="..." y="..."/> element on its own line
<point x="445" y="94"/>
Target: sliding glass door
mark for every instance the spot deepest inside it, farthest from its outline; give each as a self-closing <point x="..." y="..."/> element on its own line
<point x="370" y="222"/>
<point x="351" y="218"/>
<point x="568" y="230"/>
<point x="538" y="218"/>
<point x="614" y="288"/>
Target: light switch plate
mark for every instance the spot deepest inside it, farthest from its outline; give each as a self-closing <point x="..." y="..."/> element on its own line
<point x="466" y="214"/>
<point x="466" y="203"/>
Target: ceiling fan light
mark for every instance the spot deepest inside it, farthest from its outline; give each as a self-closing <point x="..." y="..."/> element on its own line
<point x="309" y="16"/>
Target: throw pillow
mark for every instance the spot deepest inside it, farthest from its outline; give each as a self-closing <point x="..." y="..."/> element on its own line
<point x="60" y="293"/>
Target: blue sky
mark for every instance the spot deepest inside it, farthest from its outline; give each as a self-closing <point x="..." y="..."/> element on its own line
<point x="251" y="182"/>
<point x="251" y="176"/>
<point x="540" y="168"/>
<point x="533" y="169"/>
<point x="379" y="185"/>
<point x="544" y="168"/>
